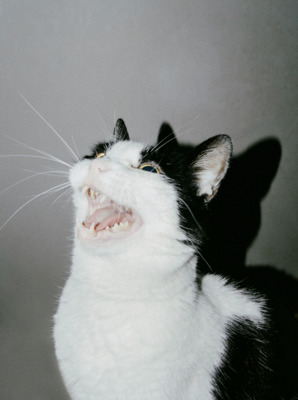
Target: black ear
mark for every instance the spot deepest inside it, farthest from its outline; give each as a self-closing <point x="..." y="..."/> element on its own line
<point x="211" y="163"/>
<point x="166" y="136"/>
<point x="120" y="131"/>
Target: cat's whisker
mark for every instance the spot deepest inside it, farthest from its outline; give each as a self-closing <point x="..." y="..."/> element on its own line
<point x="54" y="189"/>
<point x="49" y="125"/>
<point x="201" y="230"/>
<point x="64" y="185"/>
<point x="190" y="211"/>
<point x="56" y="173"/>
<point x="204" y="259"/>
<point x="163" y="143"/>
<point x="194" y="218"/>
<point x="76" y="149"/>
<point x="181" y="131"/>
<point x="106" y="130"/>
<point x="66" y="192"/>
<point x="69" y="198"/>
<point x="18" y="182"/>
<point x="25" y="179"/>
<point x="34" y="156"/>
<point x="103" y="126"/>
<point x="160" y="144"/>
<point x="191" y="121"/>
<point x="114" y="116"/>
<point x="42" y="152"/>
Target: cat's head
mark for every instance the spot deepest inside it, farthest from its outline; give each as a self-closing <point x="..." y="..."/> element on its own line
<point x="131" y="194"/>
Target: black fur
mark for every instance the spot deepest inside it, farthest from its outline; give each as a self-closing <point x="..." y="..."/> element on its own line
<point x="245" y="373"/>
<point x="261" y="362"/>
<point x="120" y="131"/>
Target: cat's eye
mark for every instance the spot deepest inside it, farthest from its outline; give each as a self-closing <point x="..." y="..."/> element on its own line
<point x="100" y="155"/>
<point x="149" y="168"/>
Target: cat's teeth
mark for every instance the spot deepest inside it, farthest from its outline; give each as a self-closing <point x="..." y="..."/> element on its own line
<point x="115" y="228"/>
<point x="84" y="189"/>
<point x="102" y="198"/>
<point x="79" y="222"/>
<point x="118" y="227"/>
<point x="92" y="193"/>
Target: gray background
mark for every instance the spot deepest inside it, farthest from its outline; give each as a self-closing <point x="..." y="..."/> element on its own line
<point x="205" y="66"/>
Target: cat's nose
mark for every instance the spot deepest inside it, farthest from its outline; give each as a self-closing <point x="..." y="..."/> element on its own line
<point x="100" y="165"/>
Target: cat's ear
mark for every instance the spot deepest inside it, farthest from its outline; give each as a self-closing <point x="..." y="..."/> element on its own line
<point x="166" y="136"/>
<point x="120" y="131"/>
<point x="211" y="163"/>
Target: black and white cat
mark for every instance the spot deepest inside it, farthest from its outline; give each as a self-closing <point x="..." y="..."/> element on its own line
<point x="136" y="319"/>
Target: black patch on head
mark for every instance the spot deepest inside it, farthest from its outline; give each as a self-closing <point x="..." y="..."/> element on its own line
<point x="120" y="133"/>
<point x="175" y="162"/>
<point x="97" y="149"/>
<point x="181" y="165"/>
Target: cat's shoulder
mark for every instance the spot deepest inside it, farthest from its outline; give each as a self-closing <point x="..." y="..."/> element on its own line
<point x="245" y="370"/>
<point x="232" y="300"/>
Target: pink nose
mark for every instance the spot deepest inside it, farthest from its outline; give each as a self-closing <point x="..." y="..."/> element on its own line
<point x="99" y="165"/>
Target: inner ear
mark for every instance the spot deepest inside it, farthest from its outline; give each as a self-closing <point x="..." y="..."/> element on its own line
<point x="120" y="131"/>
<point x="211" y="162"/>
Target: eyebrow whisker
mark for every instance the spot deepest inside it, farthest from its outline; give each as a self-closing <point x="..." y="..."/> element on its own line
<point x="49" y="125"/>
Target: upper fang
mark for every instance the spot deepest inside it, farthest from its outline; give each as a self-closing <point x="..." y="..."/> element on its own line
<point x="84" y="189"/>
<point x="102" y="198"/>
<point x="92" y="193"/>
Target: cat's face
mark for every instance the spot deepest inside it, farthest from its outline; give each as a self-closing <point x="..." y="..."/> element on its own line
<point x="127" y="191"/>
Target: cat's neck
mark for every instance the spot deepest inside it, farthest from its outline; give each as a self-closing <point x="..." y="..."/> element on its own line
<point x="126" y="276"/>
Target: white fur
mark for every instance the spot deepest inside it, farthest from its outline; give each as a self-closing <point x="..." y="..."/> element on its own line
<point x="131" y="322"/>
<point x="212" y="165"/>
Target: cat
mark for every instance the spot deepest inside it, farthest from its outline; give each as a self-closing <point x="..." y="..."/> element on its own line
<point x="137" y="319"/>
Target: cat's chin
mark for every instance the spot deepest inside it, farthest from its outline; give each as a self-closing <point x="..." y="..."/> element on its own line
<point x="106" y="220"/>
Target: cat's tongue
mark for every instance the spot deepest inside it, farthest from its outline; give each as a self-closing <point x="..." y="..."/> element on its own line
<point x="106" y="217"/>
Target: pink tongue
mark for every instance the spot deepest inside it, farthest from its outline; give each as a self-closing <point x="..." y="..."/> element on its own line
<point x="105" y="217"/>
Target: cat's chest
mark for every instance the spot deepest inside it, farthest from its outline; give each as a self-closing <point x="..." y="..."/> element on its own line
<point x="143" y="349"/>
<point x="122" y="344"/>
<point x="126" y="329"/>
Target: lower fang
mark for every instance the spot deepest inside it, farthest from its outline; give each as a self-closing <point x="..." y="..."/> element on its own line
<point x="115" y="227"/>
<point x="102" y="198"/>
<point x="84" y="189"/>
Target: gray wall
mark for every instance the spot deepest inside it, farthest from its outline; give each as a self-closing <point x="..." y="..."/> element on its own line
<point x="205" y="66"/>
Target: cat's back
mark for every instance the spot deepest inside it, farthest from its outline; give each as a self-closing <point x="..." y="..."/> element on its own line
<point x="249" y="367"/>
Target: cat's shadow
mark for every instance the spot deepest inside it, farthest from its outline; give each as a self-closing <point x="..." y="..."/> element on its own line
<point x="235" y="212"/>
<point x="234" y="218"/>
<point x="232" y="223"/>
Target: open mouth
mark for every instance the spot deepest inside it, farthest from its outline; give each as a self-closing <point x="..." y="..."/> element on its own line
<point x="105" y="217"/>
